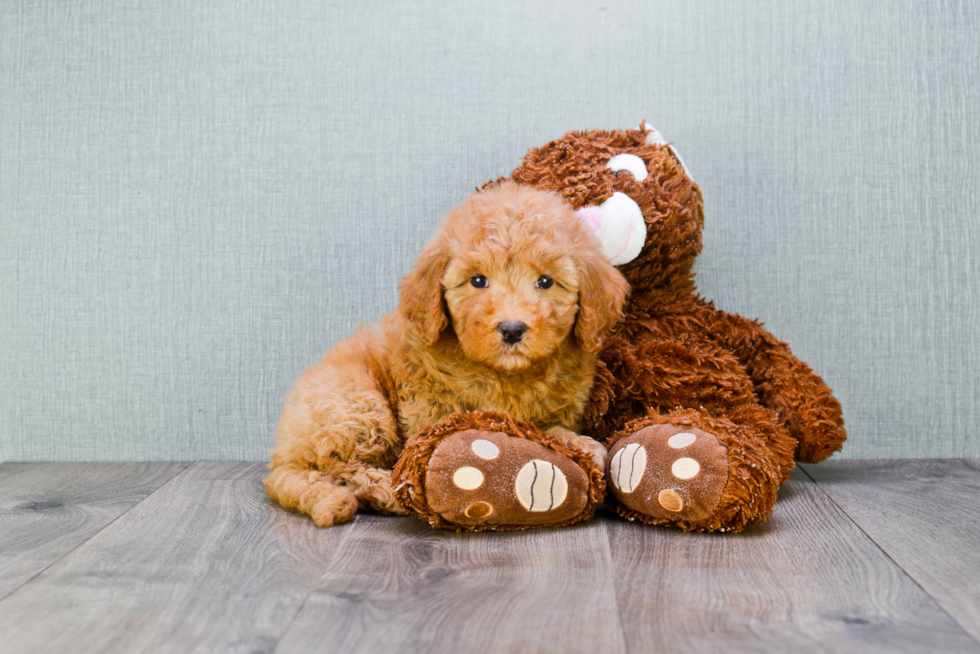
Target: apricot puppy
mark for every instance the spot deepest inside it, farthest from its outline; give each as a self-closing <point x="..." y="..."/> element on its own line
<point x="504" y="311"/>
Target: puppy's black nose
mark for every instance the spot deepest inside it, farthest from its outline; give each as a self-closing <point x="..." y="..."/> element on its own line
<point x="512" y="331"/>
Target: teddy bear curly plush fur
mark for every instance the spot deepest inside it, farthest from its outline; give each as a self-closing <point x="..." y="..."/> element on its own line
<point x="703" y="412"/>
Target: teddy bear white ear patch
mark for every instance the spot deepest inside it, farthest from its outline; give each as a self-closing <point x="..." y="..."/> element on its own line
<point x="631" y="164"/>
<point x="654" y="137"/>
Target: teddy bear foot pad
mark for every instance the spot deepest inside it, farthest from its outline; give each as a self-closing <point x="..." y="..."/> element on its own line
<point x="483" y="479"/>
<point x="669" y="472"/>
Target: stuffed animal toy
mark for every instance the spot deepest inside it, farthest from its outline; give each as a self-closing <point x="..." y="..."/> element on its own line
<point x="703" y="412"/>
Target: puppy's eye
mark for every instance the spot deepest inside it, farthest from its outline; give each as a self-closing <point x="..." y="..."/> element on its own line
<point x="479" y="281"/>
<point x="544" y="282"/>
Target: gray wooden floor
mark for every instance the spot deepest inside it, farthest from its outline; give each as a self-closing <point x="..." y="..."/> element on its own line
<point x="859" y="557"/>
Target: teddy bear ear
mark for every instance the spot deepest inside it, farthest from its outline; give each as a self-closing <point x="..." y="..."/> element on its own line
<point x="654" y="137"/>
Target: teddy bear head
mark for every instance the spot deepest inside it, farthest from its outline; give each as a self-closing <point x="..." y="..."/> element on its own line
<point x="634" y="191"/>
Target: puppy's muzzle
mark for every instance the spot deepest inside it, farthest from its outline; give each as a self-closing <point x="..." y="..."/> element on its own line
<point x="511" y="331"/>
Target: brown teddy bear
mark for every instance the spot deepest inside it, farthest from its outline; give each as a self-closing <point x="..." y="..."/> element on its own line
<point x="703" y="411"/>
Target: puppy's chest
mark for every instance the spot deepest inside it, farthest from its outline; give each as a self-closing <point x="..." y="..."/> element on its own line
<point x="542" y="400"/>
<point x="431" y="388"/>
<point x="525" y="400"/>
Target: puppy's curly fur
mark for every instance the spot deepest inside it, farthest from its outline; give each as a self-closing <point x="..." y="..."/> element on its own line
<point x="442" y="352"/>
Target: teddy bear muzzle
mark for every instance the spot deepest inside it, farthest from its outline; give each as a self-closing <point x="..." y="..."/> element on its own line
<point x="619" y="224"/>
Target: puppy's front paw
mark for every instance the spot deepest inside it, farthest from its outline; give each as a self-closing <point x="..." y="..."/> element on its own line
<point x="593" y="447"/>
<point x="585" y="444"/>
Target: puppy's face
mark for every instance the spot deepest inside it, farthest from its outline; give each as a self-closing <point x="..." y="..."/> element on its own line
<point x="512" y="295"/>
<point x="518" y="274"/>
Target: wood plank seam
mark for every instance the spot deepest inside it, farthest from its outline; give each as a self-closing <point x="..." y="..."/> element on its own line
<point x="885" y="553"/>
<point x="176" y="474"/>
<point x="208" y="564"/>
<point x="400" y="586"/>
<point x="336" y="553"/>
<point x="606" y="520"/>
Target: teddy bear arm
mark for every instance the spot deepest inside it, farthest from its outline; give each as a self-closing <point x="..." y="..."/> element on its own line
<point x="801" y="399"/>
<point x="667" y="368"/>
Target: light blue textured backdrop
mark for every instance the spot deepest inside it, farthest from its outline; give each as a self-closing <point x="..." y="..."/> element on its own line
<point x="199" y="197"/>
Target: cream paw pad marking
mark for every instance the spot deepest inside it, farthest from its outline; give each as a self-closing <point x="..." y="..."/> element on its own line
<point x="669" y="471"/>
<point x="487" y="478"/>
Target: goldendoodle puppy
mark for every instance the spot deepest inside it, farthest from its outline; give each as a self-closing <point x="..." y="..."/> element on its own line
<point x="504" y="310"/>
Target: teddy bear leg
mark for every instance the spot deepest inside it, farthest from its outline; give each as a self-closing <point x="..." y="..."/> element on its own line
<point x="485" y="470"/>
<point x="700" y="472"/>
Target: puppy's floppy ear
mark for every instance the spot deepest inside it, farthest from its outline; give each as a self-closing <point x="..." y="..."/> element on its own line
<point x="601" y="296"/>
<point x="421" y="291"/>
